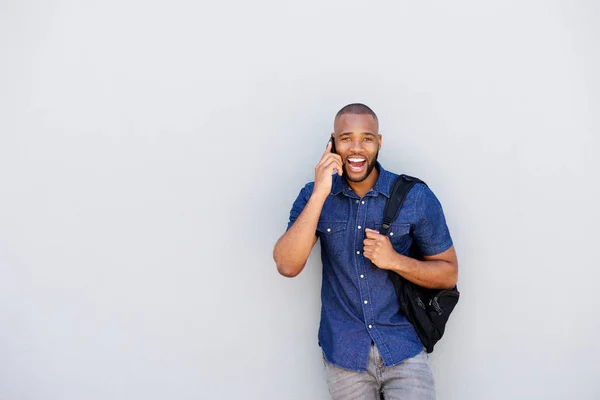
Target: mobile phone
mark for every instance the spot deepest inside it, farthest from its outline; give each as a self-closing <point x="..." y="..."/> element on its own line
<point x="333" y="151"/>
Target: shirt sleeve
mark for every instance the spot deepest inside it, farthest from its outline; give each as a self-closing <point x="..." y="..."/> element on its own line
<point x="430" y="230"/>
<point x="299" y="204"/>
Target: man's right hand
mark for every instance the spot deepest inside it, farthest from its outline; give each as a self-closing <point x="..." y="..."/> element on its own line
<point x="324" y="171"/>
<point x="293" y="248"/>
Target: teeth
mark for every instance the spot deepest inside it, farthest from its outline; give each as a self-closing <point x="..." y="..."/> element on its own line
<point x="356" y="159"/>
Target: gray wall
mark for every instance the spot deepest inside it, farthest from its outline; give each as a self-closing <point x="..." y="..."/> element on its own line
<point x="150" y="153"/>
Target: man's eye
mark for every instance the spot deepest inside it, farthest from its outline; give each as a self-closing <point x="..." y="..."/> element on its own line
<point x="345" y="139"/>
<point x="368" y="139"/>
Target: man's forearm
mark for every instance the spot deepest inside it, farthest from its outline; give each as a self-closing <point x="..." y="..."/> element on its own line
<point x="294" y="247"/>
<point x="435" y="274"/>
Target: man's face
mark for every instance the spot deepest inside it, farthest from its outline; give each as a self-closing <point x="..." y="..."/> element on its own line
<point x="357" y="141"/>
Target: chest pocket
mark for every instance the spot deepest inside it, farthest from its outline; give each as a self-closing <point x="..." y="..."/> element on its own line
<point x="399" y="235"/>
<point x="332" y="235"/>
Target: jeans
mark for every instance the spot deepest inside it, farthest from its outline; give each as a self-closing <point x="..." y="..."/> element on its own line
<point x="412" y="379"/>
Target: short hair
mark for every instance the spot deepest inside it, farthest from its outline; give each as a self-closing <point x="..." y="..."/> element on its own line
<point x="356" y="108"/>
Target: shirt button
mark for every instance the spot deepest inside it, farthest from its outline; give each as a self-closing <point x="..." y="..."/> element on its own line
<point x="366" y="302"/>
<point x="328" y="229"/>
<point x="391" y="233"/>
<point x="359" y="227"/>
<point x="356" y="201"/>
<point x="358" y="252"/>
<point x="363" y="202"/>
<point x="370" y="326"/>
<point x="362" y="276"/>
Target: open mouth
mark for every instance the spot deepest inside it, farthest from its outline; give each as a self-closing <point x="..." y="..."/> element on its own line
<point x="356" y="164"/>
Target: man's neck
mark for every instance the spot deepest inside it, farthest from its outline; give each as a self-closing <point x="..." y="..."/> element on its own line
<point x="363" y="187"/>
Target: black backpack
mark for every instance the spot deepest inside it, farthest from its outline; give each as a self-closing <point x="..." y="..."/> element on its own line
<point x="427" y="309"/>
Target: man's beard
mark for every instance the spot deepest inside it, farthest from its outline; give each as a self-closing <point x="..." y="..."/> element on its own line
<point x="370" y="167"/>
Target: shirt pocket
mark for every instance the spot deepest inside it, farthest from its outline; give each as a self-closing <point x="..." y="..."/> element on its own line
<point x="332" y="235"/>
<point x="399" y="235"/>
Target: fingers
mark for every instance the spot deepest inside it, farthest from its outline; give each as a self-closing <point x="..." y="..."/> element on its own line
<point x="338" y="167"/>
<point x="372" y="234"/>
<point x="328" y="148"/>
<point x="370" y="252"/>
<point x="331" y="163"/>
<point x="328" y="156"/>
<point x="378" y="249"/>
<point x="371" y="242"/>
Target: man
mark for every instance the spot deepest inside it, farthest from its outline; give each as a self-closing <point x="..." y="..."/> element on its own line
<point x="370" y="349"/>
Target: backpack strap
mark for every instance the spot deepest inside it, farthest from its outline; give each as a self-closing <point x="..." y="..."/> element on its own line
<point x="400" y="189"/>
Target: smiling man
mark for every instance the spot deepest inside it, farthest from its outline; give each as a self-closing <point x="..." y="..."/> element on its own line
<point x="370" y="349"/>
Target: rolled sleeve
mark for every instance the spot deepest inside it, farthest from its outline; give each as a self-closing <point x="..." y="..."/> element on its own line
<point x="430" y="230"/>
<point x="300" y="203"/>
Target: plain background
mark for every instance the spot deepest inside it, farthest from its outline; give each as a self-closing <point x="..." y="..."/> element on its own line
<point x="150" y="152"/>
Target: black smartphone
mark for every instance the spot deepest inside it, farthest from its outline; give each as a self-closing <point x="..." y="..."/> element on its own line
<point x="333" y="151"/>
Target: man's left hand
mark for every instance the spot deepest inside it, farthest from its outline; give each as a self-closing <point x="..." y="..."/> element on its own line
<point x="379" y="250"/>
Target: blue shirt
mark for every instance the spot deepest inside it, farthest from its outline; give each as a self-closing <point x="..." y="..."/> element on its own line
<point x="358" y="301"/>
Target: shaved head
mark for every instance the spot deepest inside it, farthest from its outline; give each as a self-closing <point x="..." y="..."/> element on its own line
<point x="356" y="109"/>
<point x="352" y="112"/>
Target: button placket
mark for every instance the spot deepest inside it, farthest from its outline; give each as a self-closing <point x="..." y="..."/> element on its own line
<point x="361" y="216"/>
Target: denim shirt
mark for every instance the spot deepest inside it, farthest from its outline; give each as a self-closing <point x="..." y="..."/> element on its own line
<point x="358" y="301"/>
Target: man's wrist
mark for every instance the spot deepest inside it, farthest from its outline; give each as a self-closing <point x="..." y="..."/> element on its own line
<point x="318" y="197"/>
<point x="400" y="263"/>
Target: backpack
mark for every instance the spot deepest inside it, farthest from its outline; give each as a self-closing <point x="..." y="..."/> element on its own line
<point x="426" y="309"/>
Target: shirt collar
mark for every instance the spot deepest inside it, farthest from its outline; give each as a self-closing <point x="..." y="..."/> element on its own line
<point x="383" y="185"/>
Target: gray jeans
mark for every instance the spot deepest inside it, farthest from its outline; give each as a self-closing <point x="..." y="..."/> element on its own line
<point x="410" y="380"/>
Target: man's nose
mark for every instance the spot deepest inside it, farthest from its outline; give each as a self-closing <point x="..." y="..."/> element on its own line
<point x="357" y="145"/>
